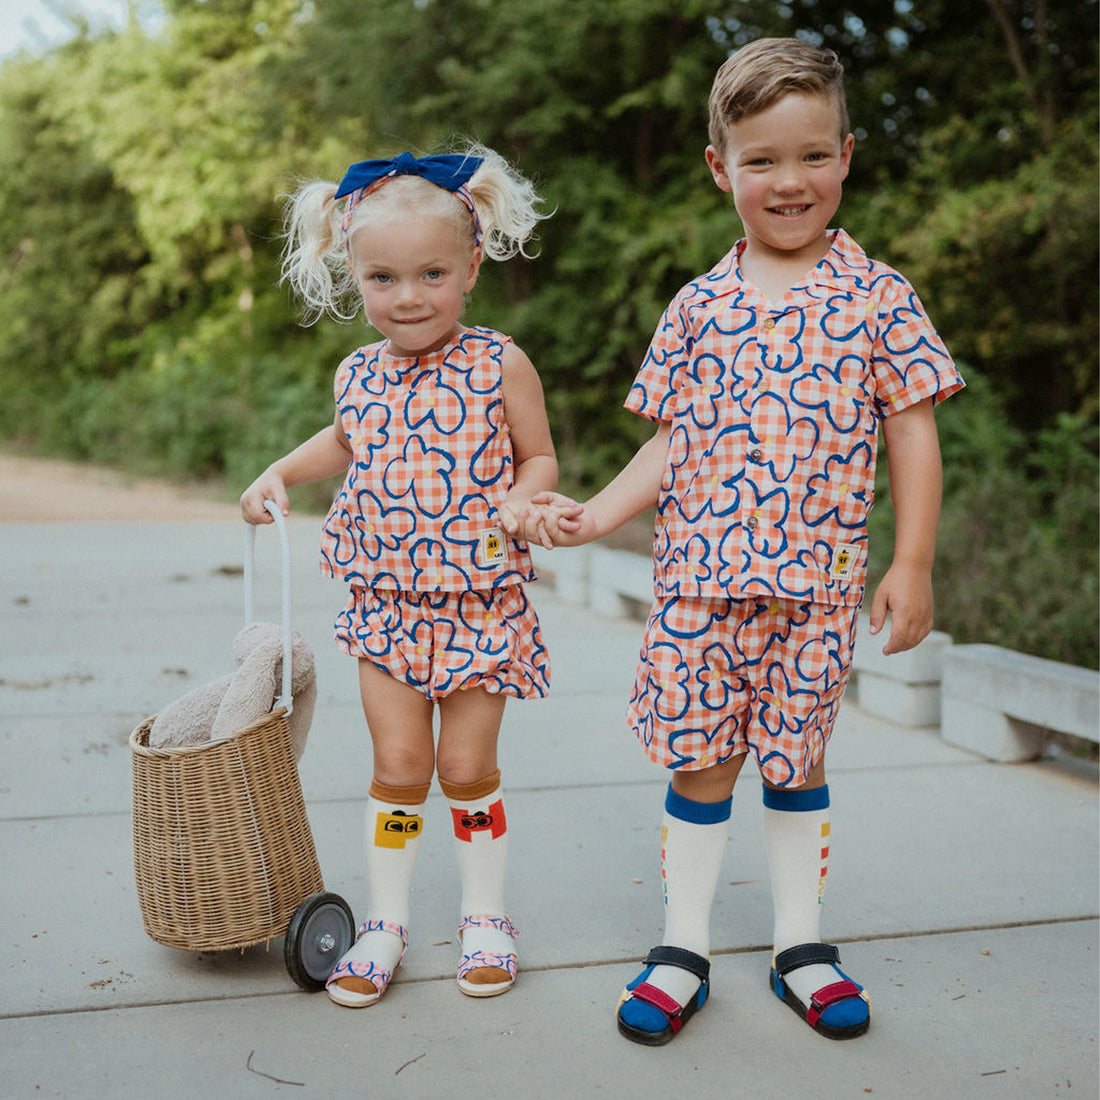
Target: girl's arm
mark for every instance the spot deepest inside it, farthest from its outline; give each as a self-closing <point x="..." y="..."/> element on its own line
<point x="325" y="454"/>
<point x="635" y="488"/>
<point x="536" y="463"/>
<point x="916" y="488"/>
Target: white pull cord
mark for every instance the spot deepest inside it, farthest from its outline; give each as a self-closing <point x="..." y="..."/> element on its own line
<point x="285" y="699"/>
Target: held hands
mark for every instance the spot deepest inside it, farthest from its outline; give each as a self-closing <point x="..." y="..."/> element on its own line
<point x="906" y="594"/>
<point x="547" y="518"/>
<point x="268" y="486"/>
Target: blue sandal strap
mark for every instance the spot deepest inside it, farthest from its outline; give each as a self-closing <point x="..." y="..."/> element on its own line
<point x="665" y="955"/>
<point x="806" y="954"/>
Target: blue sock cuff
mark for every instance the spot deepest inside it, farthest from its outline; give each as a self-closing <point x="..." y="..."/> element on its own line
<point x="698" y="813"/>
<point x="797" y="800"/>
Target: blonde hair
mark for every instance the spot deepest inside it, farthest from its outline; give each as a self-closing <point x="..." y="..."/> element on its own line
<point x="316" y="246"/>
<point x="763" y="72"/>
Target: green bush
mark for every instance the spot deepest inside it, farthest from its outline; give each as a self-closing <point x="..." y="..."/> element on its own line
<point x="1017" y="562"/>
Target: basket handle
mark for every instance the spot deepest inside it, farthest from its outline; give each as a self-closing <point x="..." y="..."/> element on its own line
<point x="285" y="699"/>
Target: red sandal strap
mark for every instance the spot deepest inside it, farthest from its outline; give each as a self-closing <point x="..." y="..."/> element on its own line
<point x="829" y="995"/>
<point x="657" y="997"/>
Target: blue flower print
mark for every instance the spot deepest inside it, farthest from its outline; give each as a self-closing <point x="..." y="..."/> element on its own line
<point x="841" y="399"/>
<point x="820" y="659"/>
<point x="669" y="614"/>
<point x="716" y="496"/>
<point x="449" y="660"/>
<point x="774" y="717"/>
<point x="769" y="538"/>
<point x="431" y="564"/>
<point x="430" y="399"/>
<point x="691" y="563"/>
<point x="464" y="525"/>
<point x="379" y="529"/>
<point x="731" y="322"/>
<point x="341" y="528"/>
<point x="834" y="325"/>
<point x="830" y="495"/>
<point x="786" y="354"/>
<point x="718" y="679"/>
<point x="771" y="761"/>
<point x="377" y="632"/>
<point x="477" y="353"/>
<point x="796" y="578"/>
<point x="670" y="698"/>
<point x="718" y="743"/>
<point x="779" y="621"/>
<point x="493" y="459"/>
<point x="703" y="394"/>
<point x="479" y="617"/>
<point x="423" y="472"/>
<point x="799" y="438"/>
<point x="366" y="432"/>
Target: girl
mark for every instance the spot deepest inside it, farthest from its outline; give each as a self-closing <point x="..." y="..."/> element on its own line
<point x="443" y="433"/>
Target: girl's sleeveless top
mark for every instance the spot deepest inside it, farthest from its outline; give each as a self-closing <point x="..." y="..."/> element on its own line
<point x="431" y="464"/>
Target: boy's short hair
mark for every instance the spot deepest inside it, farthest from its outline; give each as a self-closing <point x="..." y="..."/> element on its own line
<point x="764" y="71"/>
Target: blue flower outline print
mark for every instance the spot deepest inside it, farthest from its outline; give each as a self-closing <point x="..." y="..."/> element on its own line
<point x="425" y="473"/>
<point x="430" y="564"/>
<point x="431" y="400"/>
<point x="829" y="495"/>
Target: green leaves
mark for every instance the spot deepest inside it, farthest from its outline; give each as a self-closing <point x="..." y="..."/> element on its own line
<point x="140" y="175"/>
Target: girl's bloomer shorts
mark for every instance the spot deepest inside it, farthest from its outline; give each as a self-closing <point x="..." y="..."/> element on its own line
<point x="719" y="678"/>
<point x="441" y="642"/>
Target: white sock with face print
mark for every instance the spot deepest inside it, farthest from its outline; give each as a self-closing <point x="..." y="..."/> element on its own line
<point x="481" y="845"/>
<point x="394" y="822"/>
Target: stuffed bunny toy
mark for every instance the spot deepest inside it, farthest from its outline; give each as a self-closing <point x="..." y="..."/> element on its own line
<point x="222" y="707"/>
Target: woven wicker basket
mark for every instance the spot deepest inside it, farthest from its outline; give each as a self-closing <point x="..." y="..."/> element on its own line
<point x="223" y="854"/>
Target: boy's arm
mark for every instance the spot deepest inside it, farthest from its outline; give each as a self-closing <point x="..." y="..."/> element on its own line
<point x="916" y="488"/>
<point x="634" y="489"/>
<point x="325" y="454"/>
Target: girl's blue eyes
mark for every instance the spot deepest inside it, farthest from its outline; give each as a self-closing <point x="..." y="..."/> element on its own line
<point x="381" y="277"/>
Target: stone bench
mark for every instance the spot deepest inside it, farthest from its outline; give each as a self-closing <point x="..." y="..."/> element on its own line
<point x="616" y="583"/>
<point x="1003" y="705"/>
<point x="904" y="687"/>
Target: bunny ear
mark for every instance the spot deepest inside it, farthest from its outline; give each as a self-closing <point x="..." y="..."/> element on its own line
<point x="251" y="692"/>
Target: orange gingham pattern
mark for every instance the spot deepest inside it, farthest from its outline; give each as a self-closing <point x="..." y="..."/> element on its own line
<point x="721" y="678"/>
<point x="775" y="412"/>
<point x="432" y="462"/>
<point x="451" y="641"/>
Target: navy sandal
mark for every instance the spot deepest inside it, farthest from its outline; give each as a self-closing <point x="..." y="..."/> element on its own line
<point x="839" y="1011"/>
<point x="647" y="1014"/>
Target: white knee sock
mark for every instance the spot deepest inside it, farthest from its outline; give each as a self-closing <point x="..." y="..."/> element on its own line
<point x="796" y="835"/>
<point x="693" y="845"/>
<point x="394" y="821"/>
<point x="481" y="844"/>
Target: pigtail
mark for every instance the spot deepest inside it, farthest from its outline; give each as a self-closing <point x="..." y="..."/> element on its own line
<point x="314" y="259"/>
<point x="506" y="205"/>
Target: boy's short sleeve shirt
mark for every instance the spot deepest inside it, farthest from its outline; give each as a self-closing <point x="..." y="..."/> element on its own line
<point x="774" y="410"/>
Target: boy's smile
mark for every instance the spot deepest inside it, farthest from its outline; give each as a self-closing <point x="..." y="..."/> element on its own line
<point x="785" y="166"/>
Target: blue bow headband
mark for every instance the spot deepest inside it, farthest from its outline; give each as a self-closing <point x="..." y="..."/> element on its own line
<point x="451" y="171"/>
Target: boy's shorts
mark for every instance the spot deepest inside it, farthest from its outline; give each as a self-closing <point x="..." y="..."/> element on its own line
<point x="718" y="678"/>
<point x="441" y="642"/>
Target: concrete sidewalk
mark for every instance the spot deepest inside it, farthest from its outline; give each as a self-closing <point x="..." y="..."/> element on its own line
<point x="964" y="893"/>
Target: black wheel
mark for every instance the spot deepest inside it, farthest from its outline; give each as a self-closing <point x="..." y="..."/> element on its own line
<point x="320" y="931"/>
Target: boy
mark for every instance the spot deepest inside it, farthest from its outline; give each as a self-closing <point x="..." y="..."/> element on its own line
<point x="768" y="378"/>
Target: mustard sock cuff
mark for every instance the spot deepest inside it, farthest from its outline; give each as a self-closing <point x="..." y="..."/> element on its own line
<point x="470" y="792"/>
<point x="400" y="796"/>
